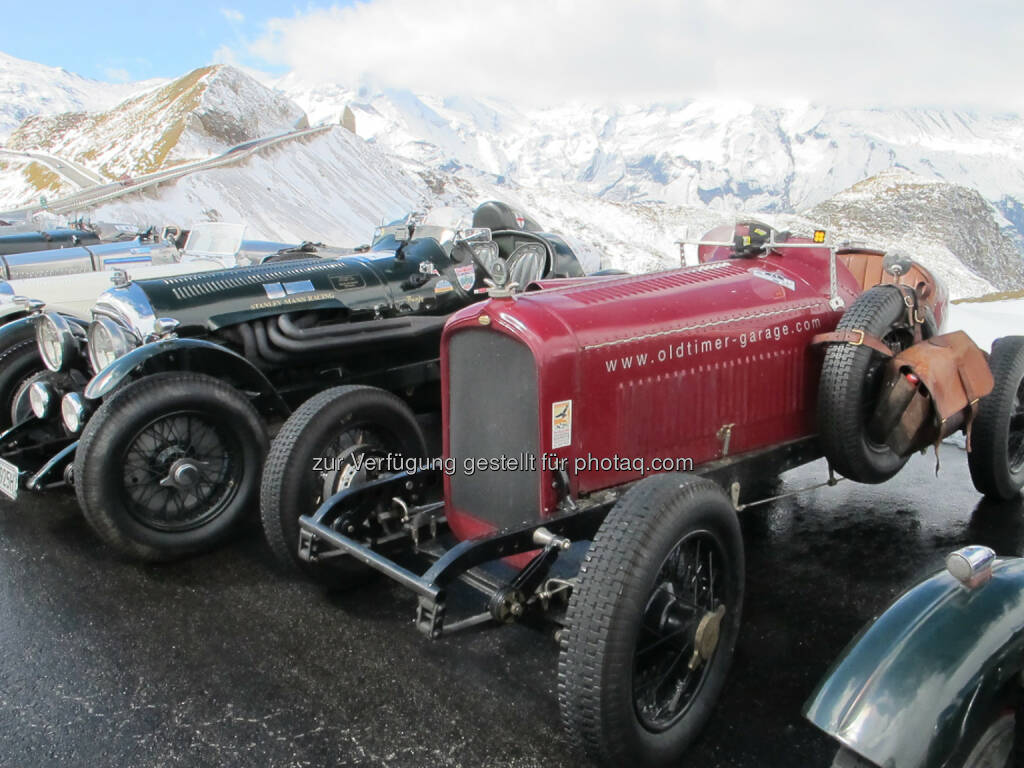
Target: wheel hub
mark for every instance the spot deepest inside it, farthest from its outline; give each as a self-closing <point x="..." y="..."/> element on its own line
<point x="705" y="640"/>
<point x="183" y="474"/>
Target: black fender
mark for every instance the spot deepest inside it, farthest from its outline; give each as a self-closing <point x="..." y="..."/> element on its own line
<point x="917" y="686"/>
<point x="192" y="355"/>
<point x="11" y="329"/>
<point x="14" y="331"/>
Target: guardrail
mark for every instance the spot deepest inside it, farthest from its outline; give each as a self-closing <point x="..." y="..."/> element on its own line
<point x="100" y="194"/>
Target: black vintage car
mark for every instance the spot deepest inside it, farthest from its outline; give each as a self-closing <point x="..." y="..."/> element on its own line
<point x="159" y="411"/>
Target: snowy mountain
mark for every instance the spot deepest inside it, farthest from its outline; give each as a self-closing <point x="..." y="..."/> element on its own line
<point x="197" y="116"/>
<point x="625" y="182"/>
<point x="27" y="89"/>
<point x="947" y="226"/>
<point x="332" y="187"/>
<point x="724" y="154"/>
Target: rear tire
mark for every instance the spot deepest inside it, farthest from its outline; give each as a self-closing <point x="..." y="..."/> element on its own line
<point x="168" y="465"/>
<point x="851" y="377"/>
<point x="996" y="459"/>
<point x="339" y="425"/>
<point x="665" y="565"/>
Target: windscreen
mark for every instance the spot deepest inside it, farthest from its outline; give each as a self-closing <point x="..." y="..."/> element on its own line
<point x="214" y="239"/>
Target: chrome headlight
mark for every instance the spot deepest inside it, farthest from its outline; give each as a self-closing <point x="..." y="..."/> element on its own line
<point x="56" y="341"/>
<point x="107" y="342"/>
<point x="40" y="397"/>
<point x="72" y="411"/>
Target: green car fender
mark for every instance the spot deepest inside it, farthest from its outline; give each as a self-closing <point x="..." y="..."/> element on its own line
<point x="196" y="355"/>
<point x="14" y="328"/>
<point x="919" y="685"/>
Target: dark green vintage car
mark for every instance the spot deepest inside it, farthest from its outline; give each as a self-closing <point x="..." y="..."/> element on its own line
<point x="159" y="411"/>
<point x="936" y="680"/>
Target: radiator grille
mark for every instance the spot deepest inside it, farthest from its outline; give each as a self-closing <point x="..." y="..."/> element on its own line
<point x="493" y="413"/>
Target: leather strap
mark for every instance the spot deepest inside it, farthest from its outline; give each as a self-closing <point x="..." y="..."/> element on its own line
<point x="855" y="337"/>
<point x="973" y="404"/>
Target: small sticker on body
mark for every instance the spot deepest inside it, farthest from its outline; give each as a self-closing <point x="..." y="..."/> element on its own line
<point x="442" y="286"/>
<point x="561" y="424"/>
<point x="344" y="282"/>
<point x="774" y="277"/>
<point x="466" y="275"/>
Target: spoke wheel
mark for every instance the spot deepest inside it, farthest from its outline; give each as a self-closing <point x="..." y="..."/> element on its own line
<point x="683" y="614"/>
<point x="348" y="457"/>
<point x="179" y="471"/>
<point x="169" y="464"/>
<point x="322" y="449"/>
<point x="652" y="623"/>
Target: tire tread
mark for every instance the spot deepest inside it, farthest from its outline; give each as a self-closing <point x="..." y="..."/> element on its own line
<point x="987" y="460"/>
<point x="608" y="569"/>
<point x="106" y="525"/>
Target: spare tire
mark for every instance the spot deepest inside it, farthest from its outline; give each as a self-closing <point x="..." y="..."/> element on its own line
<point x="851" y="379"/>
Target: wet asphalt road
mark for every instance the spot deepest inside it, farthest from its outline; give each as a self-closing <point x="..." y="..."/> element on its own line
<point x="223" y="661"/>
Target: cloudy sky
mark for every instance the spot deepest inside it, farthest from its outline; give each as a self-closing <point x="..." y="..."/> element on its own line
<point x="872" y="52"/>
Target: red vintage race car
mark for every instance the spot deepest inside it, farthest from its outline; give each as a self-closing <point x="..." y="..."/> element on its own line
<point x="600" y="436"/>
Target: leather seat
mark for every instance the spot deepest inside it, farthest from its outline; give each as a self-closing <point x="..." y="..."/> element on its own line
<point x="866" y="267"/>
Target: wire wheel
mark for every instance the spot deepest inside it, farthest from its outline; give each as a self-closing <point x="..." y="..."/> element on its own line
<point x="331" y="443"/>
<point x="351" y="458"/>
<point x="684" y="611"/>
<point x="652" y="623"/>
<point x="169" y="464"/>
<point x="178" y="471"/>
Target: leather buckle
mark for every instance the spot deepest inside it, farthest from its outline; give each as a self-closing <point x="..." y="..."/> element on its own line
<point x="859" y="342"/>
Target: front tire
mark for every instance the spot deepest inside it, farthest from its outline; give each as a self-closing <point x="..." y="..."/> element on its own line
<point x="168" y="465"/>
<point x="339" y="428"/>
<point x="19" y="363"/>
<point x="663" y="577"/>
<point x="996" y="459"/>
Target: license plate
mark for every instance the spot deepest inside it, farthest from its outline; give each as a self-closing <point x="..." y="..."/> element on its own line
<point x="8" y="479"/>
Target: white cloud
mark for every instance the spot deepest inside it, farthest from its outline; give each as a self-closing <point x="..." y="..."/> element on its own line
<point x="225" y="55"/>
<point x="232" y="15"/>
<point x="117" y="75"/>
<point x="939" y="52"/>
